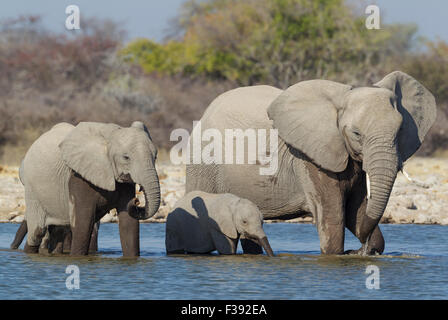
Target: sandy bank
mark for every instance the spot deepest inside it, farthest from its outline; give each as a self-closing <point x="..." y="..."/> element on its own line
<point x="422" y="201"/>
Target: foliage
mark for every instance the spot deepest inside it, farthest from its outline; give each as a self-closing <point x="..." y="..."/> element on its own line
<point x="154" y="57"/>
<point x="215" y="45"/>
<point x="48" y="78"/>
<point x="277" y="42"/>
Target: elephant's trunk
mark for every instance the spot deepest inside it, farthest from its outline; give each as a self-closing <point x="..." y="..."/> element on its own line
<point x="266" y="246"/>
<point x="381" y="166"/>
<point x="149" y="181"/>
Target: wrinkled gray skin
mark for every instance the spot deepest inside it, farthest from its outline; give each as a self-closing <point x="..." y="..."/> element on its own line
<point x="74" y="175"/>
<point x="203" y="222"/>
<point x="57" y="239"/>
<point x="330" y="136"/>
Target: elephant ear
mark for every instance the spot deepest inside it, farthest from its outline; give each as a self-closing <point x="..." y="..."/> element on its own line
<point x="417" y="106"/>
<point x="306" y="116"/>
<point x="85" y="150"/>
<point x="140" y="125"/>
<point x="222" y="212"/>
<point x="219" y="213"/>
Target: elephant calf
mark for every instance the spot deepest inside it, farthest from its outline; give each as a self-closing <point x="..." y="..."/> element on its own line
<point x="57" y="239"/>
<point x="203" y="222"/>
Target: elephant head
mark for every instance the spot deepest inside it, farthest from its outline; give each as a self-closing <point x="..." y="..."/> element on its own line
<point x="380" y="126"/>
<point x="241" y="217"/>
<point x="104" y="154"/>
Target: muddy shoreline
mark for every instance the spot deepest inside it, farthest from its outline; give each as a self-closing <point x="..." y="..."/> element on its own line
<point x="423" y="200"/>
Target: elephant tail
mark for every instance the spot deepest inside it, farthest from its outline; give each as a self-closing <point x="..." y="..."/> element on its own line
<point x="21" y="172"/>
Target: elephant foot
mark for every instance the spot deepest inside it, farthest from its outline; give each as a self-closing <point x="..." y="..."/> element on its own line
<point x="44" y="251"/>
<point x="30" y="249"/>
<point x="250" y="247"/>
<point x="59" y="249"/>
<point x="363" y="252"/>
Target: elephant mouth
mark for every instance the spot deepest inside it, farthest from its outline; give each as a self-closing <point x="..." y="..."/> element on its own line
<point x="135" y="210"/>
<point x="125" y="178"/>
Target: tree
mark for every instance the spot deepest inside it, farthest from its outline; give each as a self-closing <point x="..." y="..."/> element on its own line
<point x="278" y="42"/>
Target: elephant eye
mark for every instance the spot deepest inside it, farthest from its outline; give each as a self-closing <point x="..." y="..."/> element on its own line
<point x="356" y="134"/>
<point x="126" y="157"/>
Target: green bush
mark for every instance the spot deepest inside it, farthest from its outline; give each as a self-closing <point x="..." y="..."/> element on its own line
<point x="276" y="42"/>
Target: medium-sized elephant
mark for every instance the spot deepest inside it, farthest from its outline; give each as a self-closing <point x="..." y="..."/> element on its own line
<point x="203" y="222"/>
<point x="74" y="175"/>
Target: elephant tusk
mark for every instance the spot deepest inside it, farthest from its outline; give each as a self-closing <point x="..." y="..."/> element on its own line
<point x="406" y="175"/>
<point x="413" y="181"/>
<point x="368" y="185"/>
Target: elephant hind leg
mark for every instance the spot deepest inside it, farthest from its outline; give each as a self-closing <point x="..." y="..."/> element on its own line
<point x="34" y="239"/>
<point x="35" y="219"/>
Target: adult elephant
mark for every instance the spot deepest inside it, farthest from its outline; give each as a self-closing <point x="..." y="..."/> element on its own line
<point x="339" y="151"/>
<point x="74" y="175"/>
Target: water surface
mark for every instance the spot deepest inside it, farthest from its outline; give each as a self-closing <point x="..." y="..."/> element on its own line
<point x="414" y="266"/>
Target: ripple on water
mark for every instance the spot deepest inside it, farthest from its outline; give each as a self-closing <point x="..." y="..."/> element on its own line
<point x="414" y="266"/>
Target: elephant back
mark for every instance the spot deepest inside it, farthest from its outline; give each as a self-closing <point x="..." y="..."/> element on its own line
<point x="241" y="108"/>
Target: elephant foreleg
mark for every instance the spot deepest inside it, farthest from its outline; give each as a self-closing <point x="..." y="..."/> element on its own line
<point x="82" y="232"/>
<point x="129" y="234"/>
<point x="222" y="243"/>
<point x="93" y="247"/>
<point x="330" y="226"/>
<point x="250" y="247"/>
<point x="326" y="202"/>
